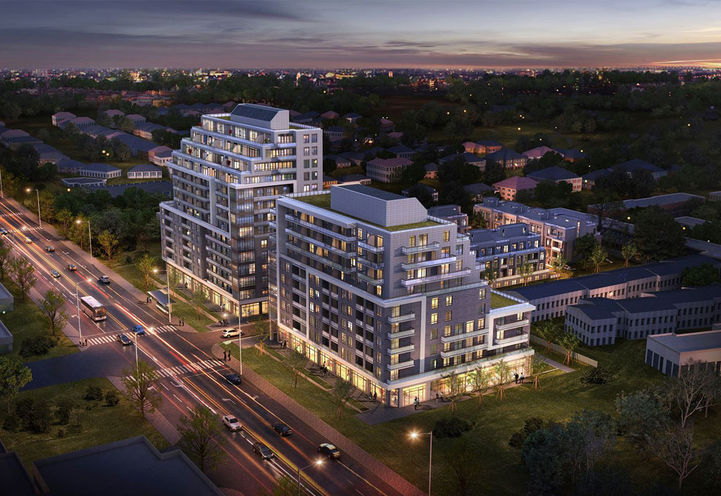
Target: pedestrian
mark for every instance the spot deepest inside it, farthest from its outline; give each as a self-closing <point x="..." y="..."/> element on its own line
<point x="522" y="378"/>
<point x="436" y="397"/>
<point x="375" y="395"/>
<point x="515" y="377"/>
<point x="415" y="403"/>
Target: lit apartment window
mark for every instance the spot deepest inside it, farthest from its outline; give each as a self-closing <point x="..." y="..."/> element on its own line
<point x="306" y="138"/>
<point x="449" y="316"/>
<point x="449" y="301"/>
<point x="434" y="318"/>
<point x="434" y="303"/>
<point x="412" y="241"/>
<point x="446" y="236"/>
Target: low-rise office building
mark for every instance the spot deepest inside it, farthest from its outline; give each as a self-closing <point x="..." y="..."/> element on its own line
<point x="387" y="170"/>
<point x="551" y="299"/>
<point x="600" y="321"/>
<point x="505" y="250"/>
<point x="387" y="297"/>
<point x="676" y="354"/>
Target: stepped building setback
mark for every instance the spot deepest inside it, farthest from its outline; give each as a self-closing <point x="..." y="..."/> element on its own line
<point x="226" y="178"/>
<point x="387" y="297"/>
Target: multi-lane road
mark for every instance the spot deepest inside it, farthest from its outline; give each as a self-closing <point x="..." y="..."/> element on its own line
<point x="188" y="373"/>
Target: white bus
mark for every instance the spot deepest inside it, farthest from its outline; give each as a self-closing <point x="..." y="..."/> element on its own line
<point x="93" y="308"/>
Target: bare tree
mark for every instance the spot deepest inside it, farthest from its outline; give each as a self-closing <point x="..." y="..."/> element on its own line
<point x="674" y="446"/>
<point x="455" y="388"/>
<point x="296" y="362"/>
<point x="693" y="391"/>
<point x="480" y="379"/>
<point x="199" y="437"/>
<point x="138" y="383"/>
<point x="341" y="393"/>
<point x="52" y="307"/>
<point x="24" y="274"/>
<point x="199" y="297"/>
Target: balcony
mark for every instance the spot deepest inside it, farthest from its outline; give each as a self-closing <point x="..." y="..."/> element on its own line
<point x="401" y="334"/>
<point x="369" y="279"/>
<point x="401" y="349"/>
<point x="401" y="365"/>
<point x="407" y="250"/>
<point x="518" y="339"/>
<point x="459" y="337"/>
<point x="512" y="325"/>
<point x="428" y="263"/>
<point x="401" y="318"/>
<point x="463" y="351"/>
<point x="366" y="246"/>
<point x="436" y="278"/>
<point x="327" y="232"/>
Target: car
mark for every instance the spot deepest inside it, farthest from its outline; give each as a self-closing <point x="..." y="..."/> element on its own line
<point x="28" y="240"/>
<point x="233" y="379"/>
<point x="231" y="423"/>
<point x="104" y="280"/>
<point x="263" y="451"/>
<point x="3" y="231"/>
<point x="232" y="333"/>
<point x="283" y="429"/>
<point x="124" y="340"/>
<point x="139" y="330"/>
<point x="72" y="267"/>
<point x="329" y="450"/>
<point x="55" y="273"/>
<point x="50" y="248"/>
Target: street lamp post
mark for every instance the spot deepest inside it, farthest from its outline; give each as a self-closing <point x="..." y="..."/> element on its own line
<point x="317" y="463"/>
<point x="40" y="221"/>
<point x="415" y="435"/>
<point x="90" y="234"/>
<point x="167" y="281"/>
<point x="2" y="195"/>
<point x="240" y="344"/>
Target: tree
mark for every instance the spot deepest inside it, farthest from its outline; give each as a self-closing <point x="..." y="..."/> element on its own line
<point x="542" y="454"/>
<point x="199" y="297"/>
<point x="657" y="235"/>
<point x="583" y="247"/>
<point x="341" y="393"/>
<point x="598" y="256"/>
<point x="537" y="366"/>
<point x="641" y="415"/>
<point x="66" y="219"/>
<point x="455" y="388"/>
<point x="674" y="446"/>
<point x="480" y="378"/>
<point x="296" y="362"/>
<point x="701" y="275"/>
<point x="490" y="275"/>
<point x="628" y="252"/>
<point x="462" y="459"/>
<point x="52" y="307"/>
<point x="13" y="376"/>
<point x="549" y="331"/>
<point x="559" y="264"/>
<point x="569" y="342"/>
<point x="108" y="241"/>
<point x="693" y="391"/>
<point x="262" y="330"/>
<point x="530" y="425"/>
<point x="145" y="266"/>
<point x="199" y="437"/>
<point x="525" y="270"/>
<point x="588" y="437"/>
<point x="5" y="258"/>
<point x="137" y="382"/>
<point x="502" y="373"/>
<point x="24" y="274"/>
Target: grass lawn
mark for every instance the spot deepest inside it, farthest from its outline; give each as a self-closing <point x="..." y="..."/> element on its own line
<point x="27" y="321"/>
<point x="99" y="425"/>
<point x="498" y="300"/>
<point x="188" y="313"/>
<point x="124" y="264"/>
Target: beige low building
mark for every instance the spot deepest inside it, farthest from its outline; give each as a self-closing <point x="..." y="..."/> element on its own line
<point x="672" y="353"/>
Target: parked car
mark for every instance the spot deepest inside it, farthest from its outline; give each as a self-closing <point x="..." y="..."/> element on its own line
<point x="139" y="330"/>
<point x="50" y="248"/>
<point x="72" y="267"/>
<point x="263" y="451"/>
<point x="329" y="450"/>
<point x="231" y="423"/>
<point x="232" y="333"/>
<point x="283" y="429"/>
<point x="3" y="231"/>
<point x="124" y="340"/>
<point x="55" y="273"/>
<point x="104" y="280"/>
<point x="233" y="379"/>
<point x="28" y="240"/>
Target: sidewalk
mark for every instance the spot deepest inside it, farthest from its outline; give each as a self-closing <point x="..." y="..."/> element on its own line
<point x="556" y="364"/>
<point x="343" y="443"/>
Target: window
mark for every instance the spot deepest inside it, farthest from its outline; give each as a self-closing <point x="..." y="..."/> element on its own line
<point x="434" y="303"/>
<point x="449" y="301"/>
<point x="412" y="241"/>
<point x="446" y="236"/>
<point x="434" y="318"/>
<point x="449" y="315"/>
<point x="434" y="333"/>
<point x="306" y="138"/>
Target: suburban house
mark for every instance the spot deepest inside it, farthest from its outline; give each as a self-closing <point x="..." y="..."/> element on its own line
<point x="386" y="170"/>
<point x="135" y="144"/>
<point x="509" y="187"/>
<point x="329" y="115"/>
<point x="484" y="147"/>
<point x="80" y="123"/>
<point x="61" y="117"/>
<point x="341" y="162"/>
<point x="69" y="166"/>
<point x="589" y="180"/>
<point x="431" y="171"/>
<point x="478" y="190"/>
<point x="160" y="155"/>
<point x="508" y="158"/>
<point x="571" y="154"/>
<point x="100" y="171"/>
<point x="451" y="213"/>
<point x="48" y="154"/>
<point x="631" y="167"/>
<point x="135" y="118"/>
<point x="145" y="171"/>
<point x="355" y="179"/>
<point x="538" y="152"/>
<point x="433" y="192"/>
<point x="334" y="133"/>
<point x="558" y="175"/>
<point x="112" y="113"/>
<point x="329" y="181"/>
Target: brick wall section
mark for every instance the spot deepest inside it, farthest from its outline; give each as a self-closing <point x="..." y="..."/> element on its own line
<point x="343" y="443"/>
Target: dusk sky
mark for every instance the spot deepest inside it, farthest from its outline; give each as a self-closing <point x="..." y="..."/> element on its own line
<point x="368" y="33"/>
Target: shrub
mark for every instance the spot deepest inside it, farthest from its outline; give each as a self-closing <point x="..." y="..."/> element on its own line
<point x="597" y="375"/>
<point x="450" y="427"/>
<point x="531" y="425"/>
<point x="63" y="411"/>
<point x="112" y="398"/>
<point x="61" y="433"/>
<point x="93" y="393"/>
<point x="11" y="423"/>
<point x="36" y="346"/>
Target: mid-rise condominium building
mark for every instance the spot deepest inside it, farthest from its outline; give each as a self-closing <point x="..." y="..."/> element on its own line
<point x="386" y="296"/>
<point x="226" y="178"/>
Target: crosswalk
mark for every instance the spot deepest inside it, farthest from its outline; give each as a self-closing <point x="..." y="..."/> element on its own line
<point x="112" y="337"/>
<point x="189" y="368"/>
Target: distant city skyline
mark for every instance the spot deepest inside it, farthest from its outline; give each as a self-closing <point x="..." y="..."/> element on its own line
<point x="372" y="33"/>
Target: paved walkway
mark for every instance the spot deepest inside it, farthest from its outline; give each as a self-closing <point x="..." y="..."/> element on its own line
<point x="555" y="364"/>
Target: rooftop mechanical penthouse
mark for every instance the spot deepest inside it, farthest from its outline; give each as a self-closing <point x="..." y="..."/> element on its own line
<point x="387" y="297"/>
<point x="226" y="178"/>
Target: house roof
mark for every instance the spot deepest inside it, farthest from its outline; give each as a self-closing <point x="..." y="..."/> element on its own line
<point x="505" y="232"/>
<point x="538" y="151"/>
<point x="390" y="163"/>
<point x="374" y="192"/>
<point x="504" y="154"/>
<point x="635" y="165"/>
<point x="145" y="168"/>
<point x="100" y="167"/>
<point x="517" y="183"/>
<point x="488" y="143"/>
<point x="477" y="188"/>
<point x="660" y="200"/>
<point x="571" y="153"/>
<point x="431" y="167"/>
<point x="691" y="341"/>
<point x="554" y="173"/>
<point x="400" y="149"/>
<point x="445" y="211"/>
<point x="255" y="111"/>
<point x="595" y="175"/>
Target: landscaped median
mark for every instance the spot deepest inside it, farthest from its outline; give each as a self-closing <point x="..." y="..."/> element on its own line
<point x="66" y="421"/>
